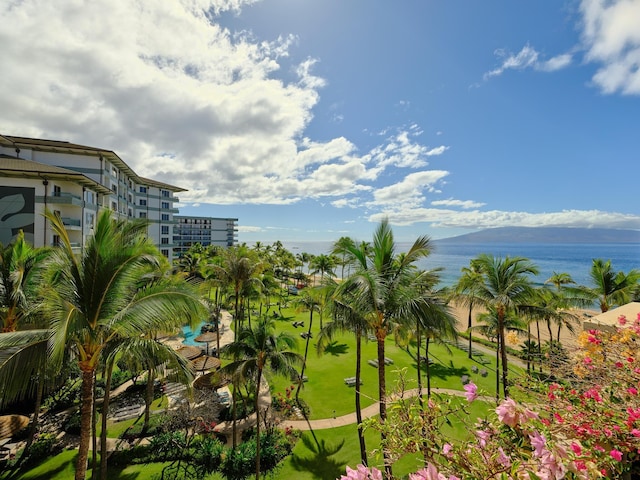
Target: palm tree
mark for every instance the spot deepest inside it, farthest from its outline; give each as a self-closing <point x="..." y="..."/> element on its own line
<point x="610" y="287"/>
<point x="341" y="250"/>
<point x="465" y="291"/>
<point x="239" y="267"/>
<point x="307" y="301"/>
<point x="381" y="291"/>
<point x="506" y="288"/>
<point x="323" y="264"/>
<point x="94" y="300"/>
<point x="255" y="349"/>
<point x="346" y="319"/>
<point x="19" y="265"/>
<point x="492" y="323"/>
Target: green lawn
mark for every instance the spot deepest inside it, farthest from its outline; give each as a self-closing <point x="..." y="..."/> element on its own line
<point x="326" y="455"/>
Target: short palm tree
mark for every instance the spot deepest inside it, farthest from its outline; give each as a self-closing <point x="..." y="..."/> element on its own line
<point x="255" y="349"/>
<point x="506" y="288"/>
<point x="464" y="291"/>
<point x="608" y="286"/>
<point x="96" y="299"/>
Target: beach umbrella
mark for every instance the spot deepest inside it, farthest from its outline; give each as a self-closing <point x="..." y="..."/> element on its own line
<point x="189" y="352"/>
<point x="211" y="381"/>
<point x="206" y="337"/>
<point x="205" y="362"/>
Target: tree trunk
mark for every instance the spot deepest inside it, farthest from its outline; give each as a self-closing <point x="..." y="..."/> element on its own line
<point x="258" y="423"/>
<point x="469" y="325"/>
<point x="105" y="412"/>
<point x="306" y="352"/>
<point x="86" y="404"/>
<point x="418" y="361"/>
<point x="539" y="346"/>
<point x="33" y="428"/>
<point x="382" y="393"/>
<point x="148" y="398"/>
<point x="549" y="330"/>
<point x="498" y="369"/>
<point x="234" y="413"/>
<point x="363" y="447"/>
<point x="94" y="430"/>
<point x="426" y="353"/>
<point x="503" y="355"/>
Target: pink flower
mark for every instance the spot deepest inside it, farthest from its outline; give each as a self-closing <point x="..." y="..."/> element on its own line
<point x="446" y="449"/>
<point x="577" y="449"/>
<point x="503" y="459"/>
<point x="430" y="473"/>
<point x="471" y="391"/>
<point x="616" y="454"/>
<point x="507" y="412"/>
<point x="483" y="436"/>
<point x="539" y="443"/>
<point x="362" y="473"/>
<point x="632" y="391"/>
<point x="622" y="320"/>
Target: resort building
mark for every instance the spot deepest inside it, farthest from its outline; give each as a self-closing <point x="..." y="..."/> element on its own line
<point x="206" y="231"/>
<point x="76" y="181"/>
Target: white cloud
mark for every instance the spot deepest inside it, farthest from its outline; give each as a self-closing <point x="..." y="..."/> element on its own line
<point x="490" y="219"/>
<point x="528" y="57"/>
<point x="611" y="37"/>
<point x="408" y="192"/>
<point x="466" y="204"/>
<point x="249" y="229"/>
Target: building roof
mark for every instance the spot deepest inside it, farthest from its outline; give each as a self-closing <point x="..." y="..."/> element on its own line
<point x="609" y="319"/>
<point x="19" y="167"/>
<point x="59" y="146"/>
<point x="156" y="183"/>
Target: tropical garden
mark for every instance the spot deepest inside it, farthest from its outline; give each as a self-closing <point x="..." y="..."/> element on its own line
<point x="347" y="364"/>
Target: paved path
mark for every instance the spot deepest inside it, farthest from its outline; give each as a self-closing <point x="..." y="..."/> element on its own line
<point x="367" y="412"/>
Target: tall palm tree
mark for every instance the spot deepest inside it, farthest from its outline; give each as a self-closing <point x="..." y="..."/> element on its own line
<point x="323" y="264"/>
<point x="382" y="292"/>
<point x="341" y="250"/>
<point x="506" y="288"/>
<point x="307" y="301"/>
<point x="464" y="291"/>
<point x="240" y="266"/>
<point x="94" y="300"/>
<point x="346" y="319"/>
<point x="255" y="349"/>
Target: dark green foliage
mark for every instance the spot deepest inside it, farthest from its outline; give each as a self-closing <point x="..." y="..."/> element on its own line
<point x="207" y="453"/>
<point x="240" y="463"/>
<point x="44" y="445"/>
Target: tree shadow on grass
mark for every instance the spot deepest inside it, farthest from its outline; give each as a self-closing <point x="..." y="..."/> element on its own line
<point x="319" y="463"/>
<point x="443" y="372"/>
<point x="335" y="348"/>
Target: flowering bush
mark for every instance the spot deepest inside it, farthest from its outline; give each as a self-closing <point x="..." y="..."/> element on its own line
<point x="585" y="425"/>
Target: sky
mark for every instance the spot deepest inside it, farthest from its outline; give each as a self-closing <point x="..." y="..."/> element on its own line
<point x="313" y="120"/>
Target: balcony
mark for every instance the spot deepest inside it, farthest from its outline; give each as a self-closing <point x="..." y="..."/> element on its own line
<point x="71" y="223"/>
<point x="64" y="198"/>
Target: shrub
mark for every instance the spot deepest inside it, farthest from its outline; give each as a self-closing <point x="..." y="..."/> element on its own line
<point x="207" y="453"/>
<point x="43" y="446"/>
<point x="72" y="424"/>
<point x="240" y="463"/>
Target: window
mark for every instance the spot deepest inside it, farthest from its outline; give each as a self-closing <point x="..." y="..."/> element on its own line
<point x="114" y="188"/>
<point x="56" y="190"/>
<point x="143" y="202"/>
<point x="56" y="240"/>
<point x="165" y="252"/>
<point x="164" y="241"/>
<point x="143" y="189"/>
<point x="165" y="193"/>
<point x="114" y="172"/>
<point x="165" y="229"/>
<point x="114" y="206"/>
<point x="88" y="220"/>
<point x="143" y="214"/>
<point x="165" y="217"/>
<point x="165" y="205"/>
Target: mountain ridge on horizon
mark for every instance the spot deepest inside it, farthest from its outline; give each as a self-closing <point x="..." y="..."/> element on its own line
<point x="547" y="235"/>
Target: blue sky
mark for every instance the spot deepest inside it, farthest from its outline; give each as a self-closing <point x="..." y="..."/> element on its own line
<point x="311" y="120"/>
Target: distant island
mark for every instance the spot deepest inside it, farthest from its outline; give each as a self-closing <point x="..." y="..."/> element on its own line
<point x="547" y="235"/>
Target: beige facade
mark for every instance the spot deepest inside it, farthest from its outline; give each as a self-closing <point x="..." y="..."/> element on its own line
<point x="77" y="181"/>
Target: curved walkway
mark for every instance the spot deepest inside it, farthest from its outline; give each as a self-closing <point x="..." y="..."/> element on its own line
<point x="370" y="411"/>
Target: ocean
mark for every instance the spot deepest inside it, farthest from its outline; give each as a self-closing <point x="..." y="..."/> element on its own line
<point x="574" y="259"/>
